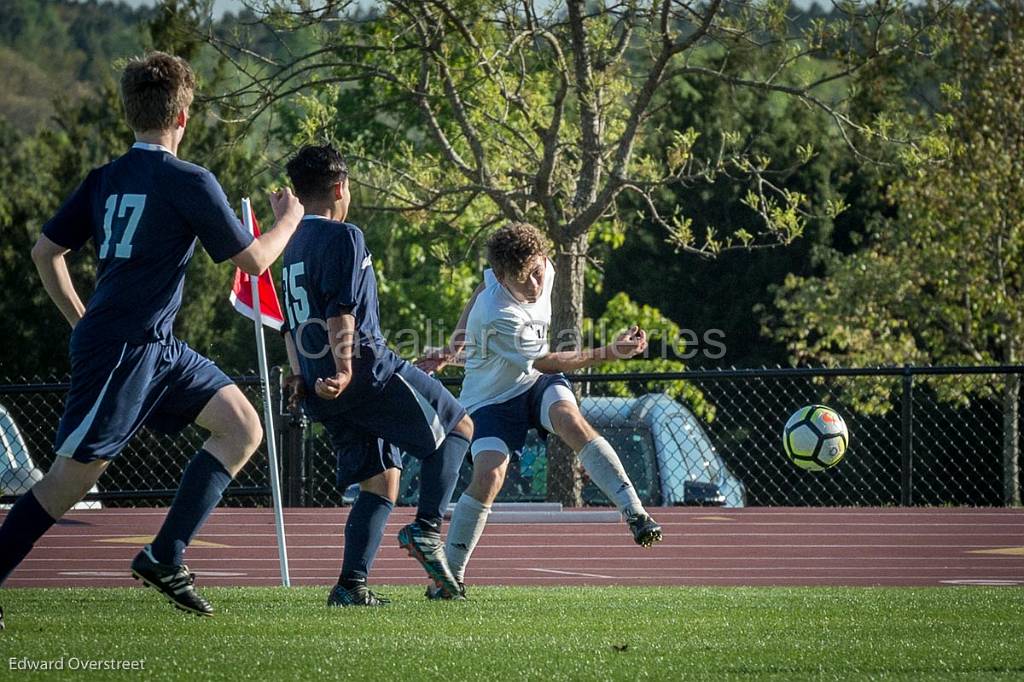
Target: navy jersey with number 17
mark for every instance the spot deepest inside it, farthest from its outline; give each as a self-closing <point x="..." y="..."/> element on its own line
<point x="144" y="211"/>
<point x="327" y="272"/>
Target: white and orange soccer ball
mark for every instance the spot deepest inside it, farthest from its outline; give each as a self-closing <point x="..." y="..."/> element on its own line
<point x="815" y="438"/>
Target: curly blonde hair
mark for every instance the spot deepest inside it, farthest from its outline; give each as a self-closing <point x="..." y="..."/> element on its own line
<point x="510" y="249"/>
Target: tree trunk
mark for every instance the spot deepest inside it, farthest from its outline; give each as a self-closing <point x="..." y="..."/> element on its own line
<point x="567" y="298"/>
<point x="565" y="484"/>
<point x="1011" y="441"/>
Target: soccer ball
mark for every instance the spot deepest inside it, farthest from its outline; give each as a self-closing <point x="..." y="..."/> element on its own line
<point x="815" y="438"/>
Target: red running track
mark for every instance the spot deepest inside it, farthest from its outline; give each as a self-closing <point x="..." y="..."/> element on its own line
<point x="803" y="546"/>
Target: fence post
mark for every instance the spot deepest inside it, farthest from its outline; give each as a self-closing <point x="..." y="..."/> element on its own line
<point x="295" y="460"/>
<point x="292" y="430"/>
<point x="907" y="439"/>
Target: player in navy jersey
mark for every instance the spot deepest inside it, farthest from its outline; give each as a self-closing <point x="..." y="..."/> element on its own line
<point x="373" y="404"/>
<point x="144" y="212"/>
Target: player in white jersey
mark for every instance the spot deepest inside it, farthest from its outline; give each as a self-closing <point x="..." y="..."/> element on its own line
<point x="514" y="382"/>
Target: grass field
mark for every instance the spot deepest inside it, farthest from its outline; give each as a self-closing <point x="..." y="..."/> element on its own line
<point x="528" y="633"/>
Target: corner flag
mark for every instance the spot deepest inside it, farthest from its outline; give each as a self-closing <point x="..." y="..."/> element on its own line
<point x="247" y="295"/>
<point x="241" y="291"/>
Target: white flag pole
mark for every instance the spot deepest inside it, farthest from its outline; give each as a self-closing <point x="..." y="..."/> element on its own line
<point x="268" y="415"/>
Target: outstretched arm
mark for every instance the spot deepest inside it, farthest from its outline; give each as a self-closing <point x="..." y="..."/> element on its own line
<point x="439" y="359"/>
<point x="267" y="248"/>
<point x="629" y="344"/>
<point x="48" y="257"/>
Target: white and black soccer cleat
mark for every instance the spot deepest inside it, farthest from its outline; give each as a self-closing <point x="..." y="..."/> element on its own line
<point x="435" y="593"/>
<point x="646" y="531"/>
<point x="424" y="544"/>
<point x="174" y="582"/>
<point x="360" y="595"/>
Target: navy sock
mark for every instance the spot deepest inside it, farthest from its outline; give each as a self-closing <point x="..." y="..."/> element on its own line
<point x="202" y="486"/>
<point x="364" y="531"/>
<point x="438" y="475"/>
<point x="25" y="523"/>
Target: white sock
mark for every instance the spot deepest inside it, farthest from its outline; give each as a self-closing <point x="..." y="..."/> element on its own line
<point x="602" y="463"/>
<point x="464" y="531"/>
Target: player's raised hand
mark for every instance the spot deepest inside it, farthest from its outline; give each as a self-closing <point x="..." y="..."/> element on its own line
<point x="286" y="205"/>
<point x="295" y="386"/>
<point x="629" y="344"/>
<point x="434" y="360"/>
<point x="331" y="387"/>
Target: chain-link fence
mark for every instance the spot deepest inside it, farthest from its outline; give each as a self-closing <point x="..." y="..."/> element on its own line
<point x="919" y="436"/>
<point x="149" y="468"/>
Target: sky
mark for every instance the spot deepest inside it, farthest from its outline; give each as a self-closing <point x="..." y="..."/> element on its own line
<point x="219" y="6"/>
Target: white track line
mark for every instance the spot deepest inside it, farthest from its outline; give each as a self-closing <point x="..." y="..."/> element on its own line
<point x="689" y="534"/>
<point x="624" y="571"/>
<point x="699" y="581"/>
<point x="582" y="575"/>
<point x="787" y="563"/>
<point x="661" y="545"/>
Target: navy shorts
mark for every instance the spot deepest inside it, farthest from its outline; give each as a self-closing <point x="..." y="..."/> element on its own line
<point x="411" y="413"/>
<point x="502" y="427"/>
<point x="117" y="388"/>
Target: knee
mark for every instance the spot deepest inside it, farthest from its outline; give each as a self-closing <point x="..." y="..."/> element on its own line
<point x="570" y="423"/>
<point x="465" y="428"/>
<point x="251" y="431"/>
<point x="242" y="431"/>
<point x="490" y="478"/>
<point x="573" y="428"/>
<point x="66" y="483"/>
<point x="384" y="484"/>
<point x="243" y="434"/>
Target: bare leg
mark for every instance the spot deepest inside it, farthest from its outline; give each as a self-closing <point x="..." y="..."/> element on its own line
<point x="234" y="426"/>
<point x="66" y="483"/>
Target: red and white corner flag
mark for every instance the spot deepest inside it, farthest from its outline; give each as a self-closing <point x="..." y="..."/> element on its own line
<point x="249" y="294"/>
<point x="241" y="290"/>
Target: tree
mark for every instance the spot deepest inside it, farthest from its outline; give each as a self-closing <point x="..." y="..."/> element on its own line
<point x="943" y="282"/>
<point x="528" y="113"/>
<point x="40" y="170"/>
<point x="719" y="294"/>
<point x="495" y="110"/>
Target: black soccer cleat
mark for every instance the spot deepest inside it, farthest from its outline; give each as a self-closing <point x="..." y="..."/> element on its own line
<point x="437" y="594"/>
<point x="360" y="595"/>
<point x="2" y="626"/>
<point x="174" y="582"/>
<point x="424" y="544"/>
<point x="646" y="530"/>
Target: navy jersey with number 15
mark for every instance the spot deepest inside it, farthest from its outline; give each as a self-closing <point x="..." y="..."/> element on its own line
<point x="327" y="272"/>
<point x="144" y="211"/>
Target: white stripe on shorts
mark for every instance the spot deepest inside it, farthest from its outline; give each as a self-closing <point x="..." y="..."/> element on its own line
<point x="74" y="439"/>
<point x="429" y="413"/>
<point x="489" y="444"/>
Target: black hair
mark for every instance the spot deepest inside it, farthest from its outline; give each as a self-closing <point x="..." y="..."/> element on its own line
<point x="315" y="169"/>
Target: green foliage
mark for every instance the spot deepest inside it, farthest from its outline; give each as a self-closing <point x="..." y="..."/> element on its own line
<point x="809" y="159"/>
<point x="41" y="169"/>
<point x="666" y="342"/>
<point x="467" y="114"/>
<point x="940" y="282"/>
<point x="54" y="48"/>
